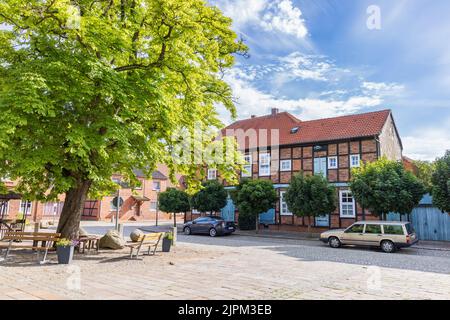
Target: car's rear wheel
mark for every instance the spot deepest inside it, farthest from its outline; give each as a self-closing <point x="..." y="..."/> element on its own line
<point x="187" y="231"/>
<point x="387" y="246"/>
<point x="212" y="232"/>
<point x="334" y="242"/>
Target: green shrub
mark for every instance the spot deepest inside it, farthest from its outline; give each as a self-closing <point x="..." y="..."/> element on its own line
<point x="247" y="221"/>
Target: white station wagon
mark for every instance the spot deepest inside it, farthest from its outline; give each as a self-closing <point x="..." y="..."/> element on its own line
<point x="387" y="235"/>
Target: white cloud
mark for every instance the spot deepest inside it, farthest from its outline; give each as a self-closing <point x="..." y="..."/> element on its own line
<point x="252" y="101"/>
<point x="279" y="16"/>
<point x="426" y="143"/>
<point x="382" y="87"/>
<point x="284" y="17"/>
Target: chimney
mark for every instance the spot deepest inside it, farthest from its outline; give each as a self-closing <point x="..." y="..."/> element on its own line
<point x="253" y="116"/>
<point x="274" y="111"/>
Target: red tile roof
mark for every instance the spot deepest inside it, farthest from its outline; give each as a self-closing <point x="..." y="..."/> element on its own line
<point x="330" y="129"/>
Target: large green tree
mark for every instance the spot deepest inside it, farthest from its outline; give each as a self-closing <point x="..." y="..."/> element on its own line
<point x="212" y="197"/>
<point x="253" y="197"/>
<point x="174" y="201"/>
<point x="90" y="88"/>
<point x="385" y="186"/>
<point x="424" y="171"/>
<point x="441" y="183"/>
<point x="310" y="196"/>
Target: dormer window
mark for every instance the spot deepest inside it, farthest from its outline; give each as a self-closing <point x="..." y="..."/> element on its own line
<point x="294" y="130"/>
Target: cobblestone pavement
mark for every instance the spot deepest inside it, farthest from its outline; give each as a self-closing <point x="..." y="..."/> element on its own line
<point x="241" y="268"/>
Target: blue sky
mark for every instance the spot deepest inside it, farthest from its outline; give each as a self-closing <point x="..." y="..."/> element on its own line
<point x="319" y="59"/>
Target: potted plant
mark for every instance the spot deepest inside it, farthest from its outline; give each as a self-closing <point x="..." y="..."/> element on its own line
<point x="167" y="242"/>
<point x="64" y="250"/>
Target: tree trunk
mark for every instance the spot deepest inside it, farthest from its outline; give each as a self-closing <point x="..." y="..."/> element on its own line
<point x="69" y="222"/>
<point x="309" y="226"/>
<point x="174" y="219"/>
<point x="257" y="224"/>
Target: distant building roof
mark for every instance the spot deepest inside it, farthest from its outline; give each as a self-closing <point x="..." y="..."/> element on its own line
<point x="295" y="131"/>
<point x="157" y="175"/>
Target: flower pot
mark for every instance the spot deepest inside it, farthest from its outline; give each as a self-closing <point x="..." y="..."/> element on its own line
<point x="166" y="244"/>
<point x="65" y="254"/>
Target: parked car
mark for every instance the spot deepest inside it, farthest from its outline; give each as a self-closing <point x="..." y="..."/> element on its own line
<point x="387" y="235"/>
<point x="212" y="225"/>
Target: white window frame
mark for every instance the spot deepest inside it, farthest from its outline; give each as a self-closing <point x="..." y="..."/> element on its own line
<point x="153" y="186"/>
<point x="212" y="174"/>
<point x="289" y="168"/>
<point x="264" y="169"/>
<point x="7" y="207"/>
<point x="31" y="206"/>
<point x="352" y="156"/>
<point x="329" y="162"/>
<point x="282" y="211"/>
<point x="247" y="166"/>
<point x="341" y="204"/>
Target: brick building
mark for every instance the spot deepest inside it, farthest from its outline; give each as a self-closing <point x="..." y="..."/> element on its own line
<point x="138" y="204"/>
<point x="279" y="145"/>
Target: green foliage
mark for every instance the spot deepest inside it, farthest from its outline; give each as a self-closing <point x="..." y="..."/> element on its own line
<point x="424" y="172"/>
<point x="310" y="196"/>
<point x="254" y="197"/>
<point x="385" y="186"/>
<point x="211" y="198"/>
<point x="173" y="200"/>
<point x="441" y="183"/>
<point x="91" y="88"/>
<point x="247" y="221"/>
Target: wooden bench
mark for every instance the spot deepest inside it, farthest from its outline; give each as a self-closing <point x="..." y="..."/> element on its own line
<point x="150" y="240"/>
<point x="47" y="241"/>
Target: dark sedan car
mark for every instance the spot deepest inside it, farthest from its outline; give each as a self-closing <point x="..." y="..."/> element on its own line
<point x="212" y="225"/>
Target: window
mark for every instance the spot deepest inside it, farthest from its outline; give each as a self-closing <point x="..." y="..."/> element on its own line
<point x="354" y="160"/>
<point x="156" y="185"/>
<point x="264" y="164"/>
<point x="332" y="162"/>
<point x="4" y="208"/>
<point x="320" y="166"/>
<point x="285" y="165"/>
<point x="347" y="204"/>
<point x="357" y="228"/>
<point x="409" y="228"/>
<point x="153" y="205"/>
<point x="53" y="208"/>
<point x="284" y="211"/>
<point x="212" y="174"/>
<point x="25" y="208"/>
<point x="247" y="167"/>
<point x="393" y="229"/>
<point x="373" y="228"/>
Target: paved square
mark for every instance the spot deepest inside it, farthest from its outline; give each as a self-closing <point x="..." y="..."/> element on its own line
<point x="233" y="267"/>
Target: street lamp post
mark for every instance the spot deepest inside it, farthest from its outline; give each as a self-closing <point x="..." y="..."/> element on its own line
<point x="116" y="223"/>
<point x="157" y="208"/>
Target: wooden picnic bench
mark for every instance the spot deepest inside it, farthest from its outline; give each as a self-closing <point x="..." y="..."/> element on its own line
<point x="47" y="241"/>
<point x="147" y="240"/>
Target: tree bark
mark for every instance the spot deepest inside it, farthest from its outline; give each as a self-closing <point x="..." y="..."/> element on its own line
<point x="257" y="223"/>
<point x="174" y="219"/>
<point x="309" y="226"/>
<point x="69" y="222"/>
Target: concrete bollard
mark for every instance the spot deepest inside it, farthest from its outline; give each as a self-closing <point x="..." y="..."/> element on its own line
<point x="175" y="229"/>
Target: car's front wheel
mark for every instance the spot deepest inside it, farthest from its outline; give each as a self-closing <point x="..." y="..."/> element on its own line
<point x="334" y="242"/>
<point x="387" y="246"/>
<point x="212" y="232"/>
<point x="187" y="231"/>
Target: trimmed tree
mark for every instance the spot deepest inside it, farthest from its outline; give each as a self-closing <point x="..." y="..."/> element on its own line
<point x="441" y="183"/>
<point x="91" y="88"/>
<point x="384" y="186"/>
<point x="254" y="197"/>
<point x="174" y="201"/>
<point x="310" y="196"/>
<point x="212" y="197"/>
